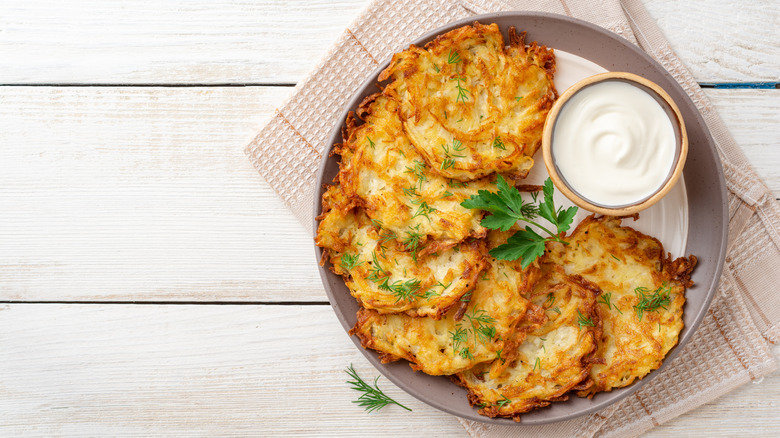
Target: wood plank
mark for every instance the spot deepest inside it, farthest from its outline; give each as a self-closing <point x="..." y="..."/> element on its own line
<point x="761" y="142"/>
<point x="144" y="194"/>
<point x="241" y="41"/>
<point x="111" y="370"/>
<point x="178" y="41"/>
<point x="723" y="41"/>
<point x="235" y="370"/>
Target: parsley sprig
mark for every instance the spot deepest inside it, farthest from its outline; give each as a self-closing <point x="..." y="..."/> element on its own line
<point x="508" y="207"/>
<point x="372" y="398"/>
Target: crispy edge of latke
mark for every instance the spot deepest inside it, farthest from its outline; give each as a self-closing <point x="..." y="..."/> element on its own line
<point x="679" y="269"/>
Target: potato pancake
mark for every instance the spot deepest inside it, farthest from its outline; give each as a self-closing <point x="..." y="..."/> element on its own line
<point x="472" y="106"/>
<point x="383" y="275"/>
<point x="554" y="359"/>
<point x="481" y="330"/>
<point x="395" y="186"/>
<point x="641" y="305"/>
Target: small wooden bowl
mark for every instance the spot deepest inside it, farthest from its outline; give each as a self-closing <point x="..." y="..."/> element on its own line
<point x="681" y="150"/>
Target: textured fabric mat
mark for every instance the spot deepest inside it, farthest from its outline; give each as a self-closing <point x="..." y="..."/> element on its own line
<point x="731" y="346"/>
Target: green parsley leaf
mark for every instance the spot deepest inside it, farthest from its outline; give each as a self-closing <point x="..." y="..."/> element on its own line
<point x="561" y="218"/>
<point x="507" y="207"/>
<point x="526" y="244"/>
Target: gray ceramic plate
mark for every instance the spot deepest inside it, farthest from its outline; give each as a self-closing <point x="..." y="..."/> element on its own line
<point x="706" y="193"/>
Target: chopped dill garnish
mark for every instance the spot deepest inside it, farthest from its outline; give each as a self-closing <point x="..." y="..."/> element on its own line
<point x="606" y="299"/>
<point x="450" y="155"/>
<point x="462" y="97"/>
<point x="412" y="240"/>
<point x="349" y="261"/>
<point x="503" y="402"/>
<point x="651" y="302"/>
<point x="411" y="191"/>
<point x="582" y="321"/>
<point x="453" y="57"/>
<point x="423" y="209"/>
<point x="456" y="184"/>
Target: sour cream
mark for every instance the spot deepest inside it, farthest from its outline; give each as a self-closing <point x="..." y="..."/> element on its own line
<point x="614" y="144"/>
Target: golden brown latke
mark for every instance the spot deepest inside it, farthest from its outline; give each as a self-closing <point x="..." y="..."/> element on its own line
<point x="482" y="329"/>
<point x="555" y="357"/>
<point x="380" y="271"/>
<point x="472" y="106"/>
<point x="632" y="270"/>
<point x="391" y="181"/>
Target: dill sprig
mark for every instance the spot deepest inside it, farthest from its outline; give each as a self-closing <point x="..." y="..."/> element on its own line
<point x="450" y="155"/>
<point x="423" y="209"/>
<point x="412" y="240"/>
<point x="582" y="321"/>
<point x="453" y="57"/>
<point x="606" y="299"/>
<point x="503" y="402"/>
<point x="459" y="337"/>
<point x="372" y="398"/>
<point x="498" y="143"/>
<point x="480" y="325"/>
<point x="651" y="302"/>
<point x="349" y="261"/>
<point x="404" y="290"/>
<point x="462" y="97"/>
<point x="411" y="192"/>
<point x="455" y="184"/>
<point x="417" y="170"/>
<point x="377" y="273"/>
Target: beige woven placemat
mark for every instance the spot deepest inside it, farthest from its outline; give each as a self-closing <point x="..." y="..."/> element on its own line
<point x="730" y="348"/>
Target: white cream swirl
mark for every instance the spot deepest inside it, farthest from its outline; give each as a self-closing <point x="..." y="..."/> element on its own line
<point x="613" y="143"/>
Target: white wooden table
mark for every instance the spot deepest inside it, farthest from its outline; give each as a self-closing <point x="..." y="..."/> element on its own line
<point x="150" y="280"/>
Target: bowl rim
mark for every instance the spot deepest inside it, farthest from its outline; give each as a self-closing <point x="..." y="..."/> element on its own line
<point x="681" y="146"/>
<point x="392" y="371"/>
